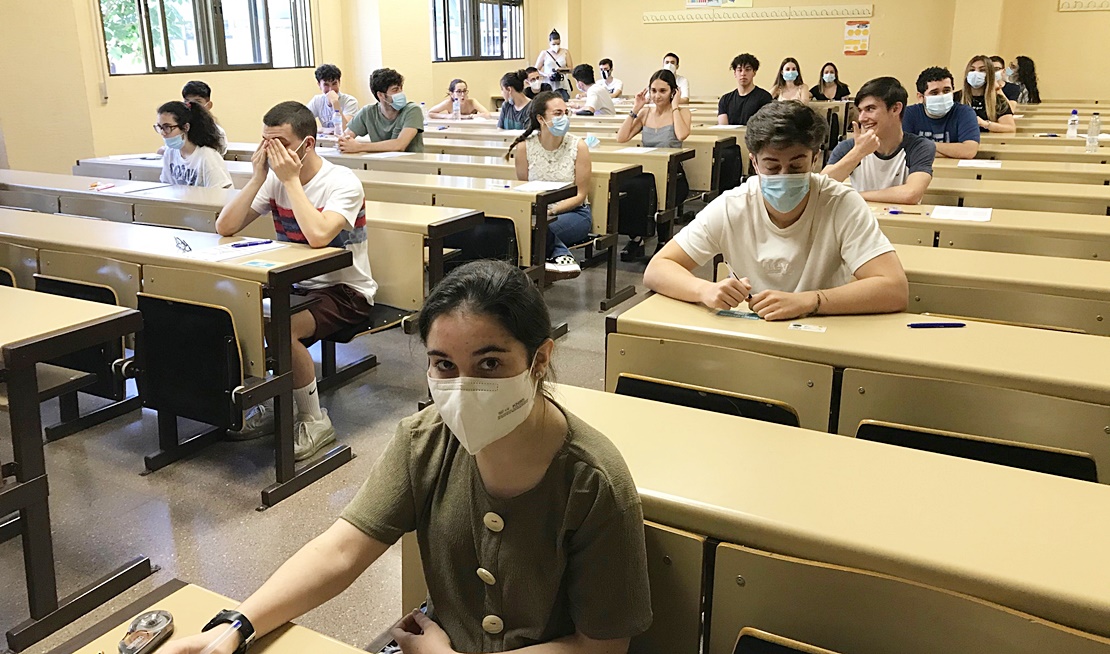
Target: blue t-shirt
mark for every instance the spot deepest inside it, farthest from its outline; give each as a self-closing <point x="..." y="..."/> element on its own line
<point x="959" y="125"/>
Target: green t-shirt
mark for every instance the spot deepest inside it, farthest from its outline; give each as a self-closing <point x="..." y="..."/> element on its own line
<point x="369" y="121"/>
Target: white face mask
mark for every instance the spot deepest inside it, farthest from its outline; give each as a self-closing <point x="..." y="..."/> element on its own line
<point x="536" y="85"/>
<point x="480" y="411"/>
<point x="670" y="67"/>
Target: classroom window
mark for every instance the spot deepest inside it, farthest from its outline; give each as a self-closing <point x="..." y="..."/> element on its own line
<point x="468" y="30"/>
<point x="174" y="36"/>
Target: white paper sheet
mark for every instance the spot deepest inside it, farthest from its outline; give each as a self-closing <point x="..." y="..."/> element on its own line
<point x="968" y="214"/>
<point x="635" y="150"/>
<point x="539" y="187"/>
<point x="224" y="252"/>
<point x="978" y="163"/>
<point x="387" y="155"/>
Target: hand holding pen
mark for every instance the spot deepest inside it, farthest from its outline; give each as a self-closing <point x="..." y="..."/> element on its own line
<point x="727" y="293"/>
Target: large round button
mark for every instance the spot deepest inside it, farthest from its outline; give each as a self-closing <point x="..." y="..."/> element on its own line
<point x="486" y="576"/>
<point x="492" y="624"/>
<point x="493" y="522"/>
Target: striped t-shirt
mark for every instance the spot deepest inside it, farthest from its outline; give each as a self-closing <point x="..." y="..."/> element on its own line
<point x="333" y="188"/>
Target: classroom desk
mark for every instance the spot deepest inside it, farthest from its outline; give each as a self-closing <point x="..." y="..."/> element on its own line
<point x="1054" y="292"/>
<point x="1034" y="196"/>
<point x="1069" y="235"/>
<point x="1025" y="171"/>
<point x="1029" y="139"/>
<point x="1039" y="152"/>
<point x="1034" y="386"/>
<point x="192" y="607"/>
<point x="34" y="328"/>
<point x="990" y="533"/>
<point x="277" y="270"/>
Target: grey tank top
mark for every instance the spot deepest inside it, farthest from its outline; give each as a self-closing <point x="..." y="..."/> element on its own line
<point x="660" y="137"/>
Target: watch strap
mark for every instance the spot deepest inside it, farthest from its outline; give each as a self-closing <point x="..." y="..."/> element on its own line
<point x="246" y="629"/>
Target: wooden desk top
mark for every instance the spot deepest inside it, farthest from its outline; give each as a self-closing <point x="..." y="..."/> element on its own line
<point x="77" y="185"/>
<point x="28" y="314"/>
<point x="1043" y="141"/>
<point x="1072" y="366"/>
<point x="1003" y="221"/>
<point x="192" y="607"/>
<point x="1083" y="170"/>
<point x="1030" y="541"/>
<point x="1077" y="278"/>
<point x="413" y="218"/>
<point x="1041" y="152"/>
<point x="145" y="244"/>
<point x="1011" y="189"/>
<point x="604" y="168"/>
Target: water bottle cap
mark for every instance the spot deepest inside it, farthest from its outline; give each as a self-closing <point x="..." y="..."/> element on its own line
<point x="1075" y="111"/>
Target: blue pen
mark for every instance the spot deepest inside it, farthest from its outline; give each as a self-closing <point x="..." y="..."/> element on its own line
<point x="934" y="325"/>
<point x="250" y="244"/>
<point x="899" y="212"/>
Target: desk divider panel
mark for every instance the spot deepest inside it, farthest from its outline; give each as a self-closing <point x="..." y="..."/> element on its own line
<point x="22" y="261"/>
<point x="397" y="264"/>
<point x="45" y="202"/>
<point x="172" y="214"/>
<point x="242" y="299"/>
<point x="517" y="210"/>
<point x="862" y="612"/>
<point x="676" y="561"/>
<point x="804" y="386"/>
<point x="123" y="277"/>
<point x="998" y="413"/>
<point x="98" y="207"/>
<point x="403" y="195"/>
<point x="1027" y="243"/>
<point x="146" y="173"/>
<point x="908" y="235"/>
<point x="110" y="170"/>
<point x="1026" y="308"/>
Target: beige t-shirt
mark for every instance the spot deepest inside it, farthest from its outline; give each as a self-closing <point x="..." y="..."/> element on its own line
<point x="835" y="235"/>
<point x="566" y="555"/>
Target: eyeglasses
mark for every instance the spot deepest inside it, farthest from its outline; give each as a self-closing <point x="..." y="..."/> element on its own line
<point x="166" y="129"/>
<point x="182" y="245"/>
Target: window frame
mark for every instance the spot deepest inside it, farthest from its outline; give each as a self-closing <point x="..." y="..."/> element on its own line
<point x="473" y="27"/>
<point x="212" y="41"/>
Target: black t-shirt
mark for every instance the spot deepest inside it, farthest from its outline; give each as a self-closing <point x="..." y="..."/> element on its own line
<point x="841" y="92"/>
<point x="740" y="108"/>
<point x="1002" y="107"/>
<point x="1011" y="91"/>
<point x="531" y="95"/>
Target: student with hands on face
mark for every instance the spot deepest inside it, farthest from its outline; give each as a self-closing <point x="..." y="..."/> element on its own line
<point x="800" y="243"/>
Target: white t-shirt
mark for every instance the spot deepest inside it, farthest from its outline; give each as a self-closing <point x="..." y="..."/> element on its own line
<point x="205" y="167"/>
<point x="222" y="147"/>
<point x="598" y="99"/>
<point x="683" y="86"/>
<point x="322" y="109"/>
<point x="334" y="188"/>
<point x="613" y="85"/>
<point x="835" y="235"/>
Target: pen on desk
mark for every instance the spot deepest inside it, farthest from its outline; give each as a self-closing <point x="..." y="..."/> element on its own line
<point x="250" y="244"/>
<point x="898" y="212"/>
<point x="934" y="325"/>
<point x="232" y="629"/>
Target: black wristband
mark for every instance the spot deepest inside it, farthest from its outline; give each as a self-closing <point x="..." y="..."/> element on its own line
<point x="246" y="629"/>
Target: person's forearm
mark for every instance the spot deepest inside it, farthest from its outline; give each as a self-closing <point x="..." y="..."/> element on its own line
<point x="958" y="150"/>
<point x="870" y="295"/>
<point x="669" y="278"/>
<point x="563" y="206"/>
<point x="308" y="217"/>
<point x="626" y="131"/>
<point x="392" y="145"/>
<point x="1001" y="128"/>
<point x="842" y="169"/>
<point x="233" y="217"/>
<point x="901" y="194"/>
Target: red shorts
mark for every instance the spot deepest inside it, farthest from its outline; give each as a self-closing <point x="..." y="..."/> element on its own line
<point x="338" y="307"/>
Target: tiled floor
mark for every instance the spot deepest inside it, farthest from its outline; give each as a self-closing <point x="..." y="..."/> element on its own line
<point x="196" y="519"/>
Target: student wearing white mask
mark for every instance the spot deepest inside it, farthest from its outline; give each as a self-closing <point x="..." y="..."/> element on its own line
<point x="954" y="127"/>
<point x="1002" y="78"/>
<point x="670" y="62"/>
<point x="830" y="87"/>
<point x="981" y="93"/>
<point x="555" y="64"/>
<point x="789" y="84"/>
<point x="534" y="83"/>
<point x="393" y="124"/>
<point x="800" y="243"/>
<point x="495" y="477"/>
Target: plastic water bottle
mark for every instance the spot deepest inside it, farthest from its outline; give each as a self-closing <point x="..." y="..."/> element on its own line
<point x="1073" y="124"/>
<point x="1094" y="128"/>
<point x="455" y="109"/>
<point x="424" y="112"/>
<point x="337" y="124"/>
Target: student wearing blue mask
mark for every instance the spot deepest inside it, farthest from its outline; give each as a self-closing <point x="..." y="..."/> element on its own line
<point x="548" y="152"/>
<point x="830" y="88"/>
<point x="1002" y="77"/>
<point x="393" y="124"/>
<point x="954" y="127"/>
<point x="789" y="84"/>
<point x="800" y="243"/>
<point x="981" y="93"/>
<point x="190" y="155"/>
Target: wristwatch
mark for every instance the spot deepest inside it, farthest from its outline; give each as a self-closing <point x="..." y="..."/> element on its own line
<point x="633" y="114"/>
<point x="246" y="629"/>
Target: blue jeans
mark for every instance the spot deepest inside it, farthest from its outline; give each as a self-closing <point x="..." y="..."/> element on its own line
<point x="571" y="227"/>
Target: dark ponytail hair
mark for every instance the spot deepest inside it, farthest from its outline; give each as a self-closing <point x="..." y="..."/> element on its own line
<point x="202" y="130"/>
<point x="455" y="82"/>
<point x="514" y="80"/>
<point x="539" y="108"/>
<point x="493" y="288"/>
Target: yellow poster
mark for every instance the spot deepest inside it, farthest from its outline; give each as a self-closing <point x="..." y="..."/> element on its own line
<point x="857" y="37"/>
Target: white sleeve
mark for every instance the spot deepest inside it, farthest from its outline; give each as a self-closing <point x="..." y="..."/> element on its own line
<point x="618" y="86"/>
<point x="701" y="239"/>
<point x="164" y="176"/>
<point x="222" y="148"/>
<point x="261" y="203"/>
<point x="861" y="240"/>
<point x="684" y="88"/>
<point x="314" y="106"/>
<point x="345" y="196"/>
<point x="350" y="105"/>
<point x="213" y="170"/>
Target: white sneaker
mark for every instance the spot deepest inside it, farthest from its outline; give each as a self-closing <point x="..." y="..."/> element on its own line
<point x="258" y="422"/>
<point x="310" y="436"/>
<point x="563" y="266"/>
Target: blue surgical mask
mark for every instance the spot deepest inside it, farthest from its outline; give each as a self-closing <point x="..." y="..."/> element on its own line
<point x="559" y="126"/>
<point x="938" y="106"/>
<point x="1009" y="72"/>
<point x="784" y="192"/>
<point x="399" y="101"/>
<point x="592" y="141"/>
<point x="175" y="142"/>
<point x="976" y="79"/>
<point x="790" y="75"/>
<point x="829" y="78"/>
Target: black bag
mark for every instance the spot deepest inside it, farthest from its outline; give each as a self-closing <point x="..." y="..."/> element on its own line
<point x="555" y="76"/>
<point x="638" y="205"/>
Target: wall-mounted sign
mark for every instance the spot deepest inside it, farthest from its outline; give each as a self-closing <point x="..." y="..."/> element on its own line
<point x="857" y="37"/>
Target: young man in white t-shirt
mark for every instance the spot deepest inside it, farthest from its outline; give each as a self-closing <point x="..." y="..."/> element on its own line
<point x="596" y="100"/>
<point x="333" y="108"/>
<point x="670" y="62"/>
<point x="317" y="203"/>
<point x="799" y="243"/>
<point x="612" y="84"/>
